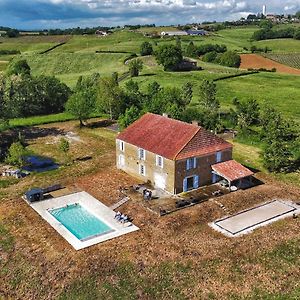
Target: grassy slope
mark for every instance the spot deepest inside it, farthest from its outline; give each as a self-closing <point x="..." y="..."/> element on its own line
<point x="77" y="57"/>
<point x="69" y="66"/>
<point x="279" y="90"/>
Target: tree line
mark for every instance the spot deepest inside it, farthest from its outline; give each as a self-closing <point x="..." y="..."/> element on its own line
<point x="24" y="95"/>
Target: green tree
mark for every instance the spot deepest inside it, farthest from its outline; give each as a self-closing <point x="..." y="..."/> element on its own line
<point x="131" y="114"/>
<point x="246" y="113"/>
<point x="16" y="153"/>
<point x="297" y="34"/>
<point x="27" y="96"/>
<point x="280" y="137"/>
<point x="81" y="105"/>
<point x="169" y="56"/>
<point x="135" y="67"/>
<point x="207" y="93"/>
<point x="12" y="33"/>
<point x="18" y="67"/>
<point x="110" y="98"/>
<point x="191" y="50"/>
<point x="277" y="156"/>
<point x="210" y="56"/>
<point x="209" y="105"/>
<point x="266" y="24"/>
<point x="146" y="49"/>
<point x="83" y="102"/>
<point x="187" y="93"/>
<point x="3" y="108"/>
<point x="229" y="59"/>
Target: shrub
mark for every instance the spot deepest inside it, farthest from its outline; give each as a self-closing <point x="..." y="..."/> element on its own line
<point x="169" y="56"/>
<point x="210" y="56"/>
<point x="146" y="49"/>
<point x="230" y="59"/>
<point x="135" y="67"/>
<point x="16" y="153"/>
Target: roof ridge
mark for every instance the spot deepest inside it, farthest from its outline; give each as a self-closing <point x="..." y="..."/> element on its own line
<point x="198" y="129"/>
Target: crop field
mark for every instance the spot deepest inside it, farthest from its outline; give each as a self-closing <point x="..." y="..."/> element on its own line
<point x="255" y="61"/>
<point x="289" y="59"/>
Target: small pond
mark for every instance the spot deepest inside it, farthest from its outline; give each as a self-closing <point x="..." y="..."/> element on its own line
<point x="39" y="164"/>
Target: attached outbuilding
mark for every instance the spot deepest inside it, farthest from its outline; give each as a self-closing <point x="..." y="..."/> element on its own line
<point x="235" y="173"/>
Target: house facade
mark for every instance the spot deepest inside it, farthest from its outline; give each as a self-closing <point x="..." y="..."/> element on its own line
<point x="172" y="155"/>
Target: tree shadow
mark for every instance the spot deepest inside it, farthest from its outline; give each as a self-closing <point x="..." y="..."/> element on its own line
<point x="101" y="123"/>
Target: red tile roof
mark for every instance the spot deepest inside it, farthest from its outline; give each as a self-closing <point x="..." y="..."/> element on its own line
<point x="203" y="142"/>
<point x="171" y="138"/>
<point x="231" y="170"/>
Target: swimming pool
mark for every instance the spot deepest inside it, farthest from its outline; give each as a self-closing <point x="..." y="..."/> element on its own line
<point x="81" y="223"/>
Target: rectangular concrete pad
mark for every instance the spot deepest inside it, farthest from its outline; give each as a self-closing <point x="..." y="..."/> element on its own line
<point x="254" y="216"/>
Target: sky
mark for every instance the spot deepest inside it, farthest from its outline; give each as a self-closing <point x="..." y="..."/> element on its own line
<point x="43" y="14"/>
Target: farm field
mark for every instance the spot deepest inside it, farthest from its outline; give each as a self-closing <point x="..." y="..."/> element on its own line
<point x="78" y="57"/>
<point x="173" y="257"/>
<point x="255" y="86"/>
<point x="289" y="59"/>
<point x="255" y="61"/>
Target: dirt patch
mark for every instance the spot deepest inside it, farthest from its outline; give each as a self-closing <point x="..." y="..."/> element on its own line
<point x="254" y="61"/>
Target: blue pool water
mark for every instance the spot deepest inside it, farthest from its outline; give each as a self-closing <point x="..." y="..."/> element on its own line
<point x="80" y="222"/>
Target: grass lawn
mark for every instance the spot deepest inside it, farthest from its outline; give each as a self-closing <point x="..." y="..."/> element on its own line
<point x="38" y="120"/>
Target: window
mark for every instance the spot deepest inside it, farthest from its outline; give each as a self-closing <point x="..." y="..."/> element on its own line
<point x="143" y="170"/>
<point x="191" y="163"/>
<point x="121" y="160"/>
<point x="142" y="154"/>
<point x="218" y="156"/>
<point x="122" y="146"/>
<point x="159" y="161"/>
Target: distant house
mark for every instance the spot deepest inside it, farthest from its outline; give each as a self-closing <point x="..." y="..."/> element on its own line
<point x="196" y="32"/>
<point x="173" y="33"/>
<point x="272" y="18"/>
<point x="175" y="156"/>
<point x="101" y="33"/>
<point x="187" y="64"/>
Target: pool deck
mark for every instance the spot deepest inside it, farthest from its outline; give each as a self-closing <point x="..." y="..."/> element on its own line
<point x="246" y="221"/>
<point x="91" y="204"/>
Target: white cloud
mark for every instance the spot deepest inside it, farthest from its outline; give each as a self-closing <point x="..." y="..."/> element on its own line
<point x="33" y="13"/>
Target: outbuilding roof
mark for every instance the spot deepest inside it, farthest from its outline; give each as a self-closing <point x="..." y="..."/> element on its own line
<point x="231" y="170"/>
<point x="171" y="138"/>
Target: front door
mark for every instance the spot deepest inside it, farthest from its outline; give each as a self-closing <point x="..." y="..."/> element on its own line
<point x="190" y="183"/>
<point x="215" y="178"/>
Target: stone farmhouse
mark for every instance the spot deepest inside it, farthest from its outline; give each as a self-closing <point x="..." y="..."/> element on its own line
<point x="175" y="156"/>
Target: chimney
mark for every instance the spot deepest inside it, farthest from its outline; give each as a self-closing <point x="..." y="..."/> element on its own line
<point x="165" y="115"/>
<point x="195" y="123"/>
